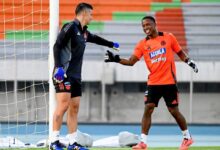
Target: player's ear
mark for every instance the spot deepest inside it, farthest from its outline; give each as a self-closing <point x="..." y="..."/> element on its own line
<point x="155" y="24"/>
<point x="83" y="12"/>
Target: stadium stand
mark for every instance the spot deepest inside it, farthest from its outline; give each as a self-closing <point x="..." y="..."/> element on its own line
<point x="175" y="23"/>
<point x="202" y="21"/>
<point x="32" y="17"/>
<point x="184" y="18"/>
<point x="103" y="9"/>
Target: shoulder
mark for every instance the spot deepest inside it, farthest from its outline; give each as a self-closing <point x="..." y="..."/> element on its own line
<point x="142" y="41"/>
<point x="165" y="34"/>
<point x="140" y="44"/>
<point x="69" y="26"/>
<point x="168" y="34"/>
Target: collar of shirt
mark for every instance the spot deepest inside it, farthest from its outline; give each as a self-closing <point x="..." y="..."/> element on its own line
<point x="80" y="27"/>
<point x="159" y="34"/>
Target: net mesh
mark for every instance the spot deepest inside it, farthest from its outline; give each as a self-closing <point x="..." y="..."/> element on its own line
<point x="24" y="26"/>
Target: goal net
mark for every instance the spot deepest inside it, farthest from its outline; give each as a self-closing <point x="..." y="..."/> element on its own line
<point x="24" y="48"/>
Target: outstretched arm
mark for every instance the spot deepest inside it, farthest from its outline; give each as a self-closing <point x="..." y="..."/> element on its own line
<point x="129" y="62"/>
<point x="110" y="57"/>
<point x="101" y="41"/>
<point x="184" y="57"/>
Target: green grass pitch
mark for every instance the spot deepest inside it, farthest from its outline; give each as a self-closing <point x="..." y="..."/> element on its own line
<point x="159" y="148"/>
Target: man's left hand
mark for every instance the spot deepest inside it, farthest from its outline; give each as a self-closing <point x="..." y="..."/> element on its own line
<point x="116" y="46"/>
<point x="192" y="64"/>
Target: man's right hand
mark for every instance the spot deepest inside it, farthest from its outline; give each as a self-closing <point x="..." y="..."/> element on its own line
<point x="59" y="75"/>
<point x="110" y="57"/>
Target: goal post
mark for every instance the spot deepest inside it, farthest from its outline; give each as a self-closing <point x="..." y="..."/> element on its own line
<point x="28" y="30"/>
<point x="54" y="28"/>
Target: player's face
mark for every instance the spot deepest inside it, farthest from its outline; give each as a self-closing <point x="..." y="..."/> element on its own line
<point x="149" y="27"/>
<point x="88" y="16"/>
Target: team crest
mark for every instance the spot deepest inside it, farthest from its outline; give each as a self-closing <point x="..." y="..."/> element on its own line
<point x="163" y="43"/>
<point x="67" y="85"/>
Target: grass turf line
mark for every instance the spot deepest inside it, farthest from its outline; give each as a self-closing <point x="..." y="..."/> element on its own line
<point x="159" y="148"/>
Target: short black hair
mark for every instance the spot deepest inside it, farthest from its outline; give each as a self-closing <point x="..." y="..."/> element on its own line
<point x="82" y="6"/>
<point x="149" y="17"/>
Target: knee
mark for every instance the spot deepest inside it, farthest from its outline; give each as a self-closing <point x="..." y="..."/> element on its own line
<point x="62" y="107"/>
<point x="149" y="108"/>
<point x="74" y="109"/>
<point x="173" y="110"/>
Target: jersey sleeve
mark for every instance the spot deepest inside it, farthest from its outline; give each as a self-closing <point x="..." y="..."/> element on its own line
<point x="138" y="50"/>
<point x="98" y="40"/>
<point x="62" y="39"/>
<point x="175" y="45"/>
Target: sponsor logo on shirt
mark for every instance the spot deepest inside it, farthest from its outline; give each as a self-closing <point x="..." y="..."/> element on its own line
<point x="158" y="59"/>
<point x="157" y="52"/>
<point x="147" y="47"/>
<point x="78" y="33"/>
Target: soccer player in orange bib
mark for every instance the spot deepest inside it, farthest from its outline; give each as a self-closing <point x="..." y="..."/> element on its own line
<point x="158" y="50"/>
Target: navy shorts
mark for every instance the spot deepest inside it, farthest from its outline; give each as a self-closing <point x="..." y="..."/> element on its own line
<point x="70" y="85"/>
<point x="169" y="92"/>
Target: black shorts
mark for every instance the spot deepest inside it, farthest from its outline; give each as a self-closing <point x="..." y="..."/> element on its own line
<point x="70" y="85"/>
<point x="168" y="92"/>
